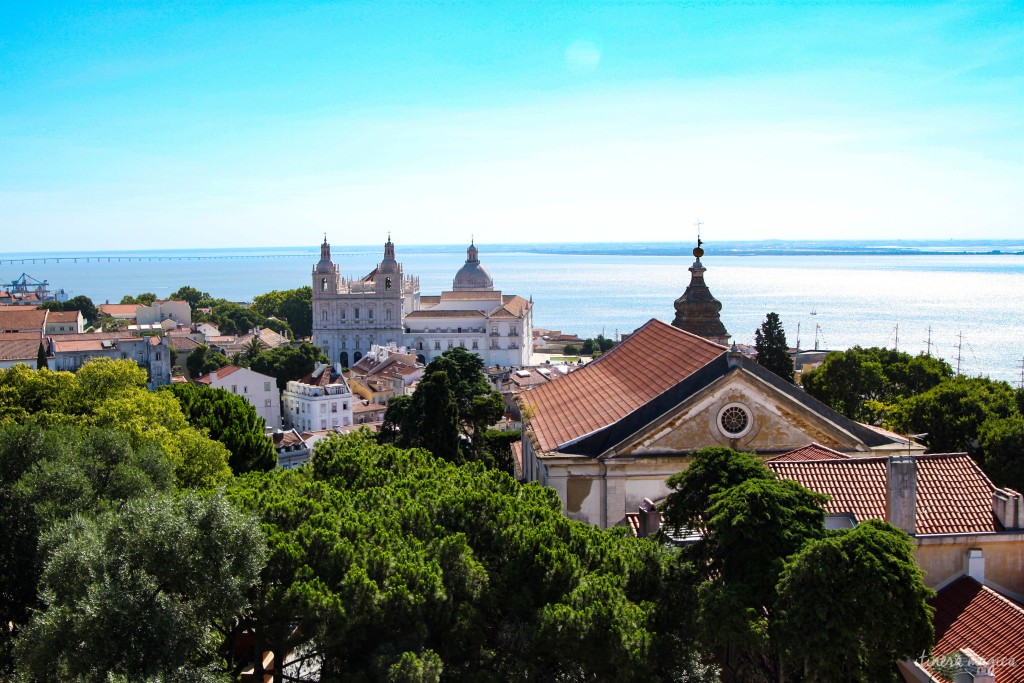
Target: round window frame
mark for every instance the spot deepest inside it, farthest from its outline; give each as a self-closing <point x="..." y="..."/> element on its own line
<point x="746" y="429"/>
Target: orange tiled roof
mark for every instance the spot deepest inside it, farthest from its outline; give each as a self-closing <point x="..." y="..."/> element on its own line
<point x="21" y="319"/>
<point x="970" y="615"/>
<point x="79" y="345"/>
<point x="322" y="377"/>
<point x="515" y="303"/>
<point x="655" y="358"/>
<point x="219" y="374"/>
<point x="62" y="316"/>
<point x="812" y="451"/>
<point x="430" y="300"/>
<point x="18" y="349"/>
<point x="953" y="495"/>
<point x="116" y="310"/>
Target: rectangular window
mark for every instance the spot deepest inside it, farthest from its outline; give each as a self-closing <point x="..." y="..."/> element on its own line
<point x="334" y="407"/>
<point x="475" y="344"/>
<point x="437" y="346"/>
<point x="450" y="344"/>
<point x="267" y="403"/>
<point x="266" y="386"/>
<point x="245" y="388"/>
<point x="158" y="355"/>
<point x="234" y="388"/>
<point x="356" y="314"/>
<point x="462" y="343"/>
<point x="343" y="312"/>
<point x="369" y="314"/>
<point x="323" y="424"/>
<point x="345" y="407"/>
<point x="323" y="407"/>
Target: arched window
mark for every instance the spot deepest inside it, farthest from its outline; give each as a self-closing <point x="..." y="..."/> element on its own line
<point x="343" y="359"/>
<point x="323" y="284"/>
<point x="356" y="356"/>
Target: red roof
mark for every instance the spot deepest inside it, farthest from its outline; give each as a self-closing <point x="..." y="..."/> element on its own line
<point x="970" y="615"/>
<point x="219" y="374"/>
<point x="953" y="495"/>
<point x="21" y="319"/>
<point x="654" y="359"/>
<point x="812" y="451"/>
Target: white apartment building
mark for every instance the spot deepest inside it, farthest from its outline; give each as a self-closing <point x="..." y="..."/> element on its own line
<point x="320" y="400"/>
<point x="258" y="389"/>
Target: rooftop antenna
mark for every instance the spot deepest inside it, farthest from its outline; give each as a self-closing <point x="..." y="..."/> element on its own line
<point x="1022" y="373"/>
<point x="959" y="348"/>
<point x="896" y="343"/>
<point x="929" y="354"/>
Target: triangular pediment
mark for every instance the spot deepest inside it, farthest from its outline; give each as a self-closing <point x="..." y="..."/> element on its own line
<point x="744" y="411"/>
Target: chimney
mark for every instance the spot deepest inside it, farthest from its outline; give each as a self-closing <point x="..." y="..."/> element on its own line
<point x="1008" y="507"/>
<point x="973" y="668"/>
<point x="901" y="492"/>
<point x="650" y="518"/>
<point x="974" y="565"/>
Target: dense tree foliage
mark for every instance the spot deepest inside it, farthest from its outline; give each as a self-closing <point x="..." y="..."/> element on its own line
<point x="1001" y="441"/>
<point x="231" y="420"/>
<point x="394" y="563"/>
<point x="193" y="296"/>
<point x="295" y="306"/>
<point x="855" y="381"/>
<point x="772" y="348"/>
<point x="596" y="346"/>
<point x="952" y="413"/>
<point x="829" y="623"/>
<point x="49" y="474"/>
<point x="203" y="359"/>
<point x="768" y="574"/>
<point x="450" y="411"/>
<point x="141" y="593"/>
<point x="232" y="318"/>
<point x="144" y="299"/>
<point x="112" y="394"/>
<point x="42" y="362"/>
<point x="78" y="303"/>
<point x="286" y="363"/>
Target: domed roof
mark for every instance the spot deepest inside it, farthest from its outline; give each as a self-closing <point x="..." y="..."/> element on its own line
<point x="472" y="275"/>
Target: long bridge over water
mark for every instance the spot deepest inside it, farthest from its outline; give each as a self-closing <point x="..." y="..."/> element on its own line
<point x="113" y="258"/>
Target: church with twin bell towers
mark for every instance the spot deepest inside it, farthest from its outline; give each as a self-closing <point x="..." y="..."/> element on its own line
<point x="352" y="314"/>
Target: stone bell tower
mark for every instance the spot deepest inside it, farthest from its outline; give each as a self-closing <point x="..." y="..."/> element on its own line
<point x="697" y="311"/>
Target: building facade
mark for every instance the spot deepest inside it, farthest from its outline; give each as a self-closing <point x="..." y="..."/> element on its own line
<point x="321" y="400"/>
<point x="351" y="315"/>
<point x="259" y="390"/>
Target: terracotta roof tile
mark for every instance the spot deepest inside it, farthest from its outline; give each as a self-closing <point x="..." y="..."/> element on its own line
<point x="219" y="374"/>
<point x="116" y="310"/>
<point x="655" y="358"/>
<point x="430" y="300"/>
<point x="953" y="494"/>
<point x="21" y="319"/>
<point x="812" y="451"/>
<point x="62" y="316"/>
<point x="970" y="615"/>
<point x="18" y="349"/>
<point x="182" y="344"/>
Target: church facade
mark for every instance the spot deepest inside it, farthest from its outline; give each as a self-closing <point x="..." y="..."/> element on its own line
<point x="350" y="315"/>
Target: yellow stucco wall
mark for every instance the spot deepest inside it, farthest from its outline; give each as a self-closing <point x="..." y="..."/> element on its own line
<point x="943" y="558"/>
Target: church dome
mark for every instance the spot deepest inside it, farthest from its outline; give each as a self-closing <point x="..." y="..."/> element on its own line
<point x="389" y="264"/>
<point x="472" y="275"/>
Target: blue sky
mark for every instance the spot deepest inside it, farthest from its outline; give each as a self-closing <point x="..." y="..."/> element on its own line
<point x="135" y="125"/>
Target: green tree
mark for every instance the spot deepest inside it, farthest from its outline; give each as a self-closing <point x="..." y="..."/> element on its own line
<point x="141" y="592"/>
<point x="203" y="360"/>
<point x="570" y="350"/>
<point x="193" y="296"/>
<point x="712" y="471"/>
<point x="772" y="348"/>
<point x="829" y="623"/>
<point x="286" y="363"/>
<point x="42" y="363"/>
<point x="1001" y="441"/>
<point x="951" y="413"/>
<point x="47" y="475"/>
<point x="863" y="384"/>
<point x="292" y="305"/>
<point x="587" y="347"/>
<point x="145" y="299"/>
<point x="376" y="552"/>
<point x="438" y="429"/>
<point x="232" y="318"/>
<point x="231" y="420"/>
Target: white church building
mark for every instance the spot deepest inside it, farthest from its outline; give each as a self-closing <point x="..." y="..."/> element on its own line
<point x="350" y="315"/>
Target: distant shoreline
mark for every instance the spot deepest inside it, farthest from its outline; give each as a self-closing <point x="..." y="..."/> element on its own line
<point x="654" y="249"/>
